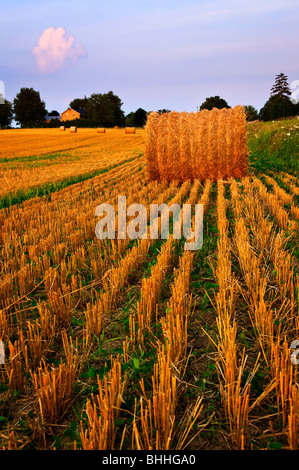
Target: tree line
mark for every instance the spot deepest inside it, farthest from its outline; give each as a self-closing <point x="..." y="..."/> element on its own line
<point x="278" y="106"/>
<point x="29" y="110"/>
<point x="104" y="109"/>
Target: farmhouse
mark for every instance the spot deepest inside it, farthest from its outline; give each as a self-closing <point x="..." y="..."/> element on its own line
<point x="72" y="113"/>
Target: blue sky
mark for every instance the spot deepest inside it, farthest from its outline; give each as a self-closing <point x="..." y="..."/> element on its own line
<point x="152" y="54"/>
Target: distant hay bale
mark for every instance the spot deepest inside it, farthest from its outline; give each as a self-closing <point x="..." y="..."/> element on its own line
<point x="101" y="130"/>
<point x="73" y="129"/>
<point x="130" y="130"/>
<point x="62" y="128"/>
<point x="115" y="127"/>
<point x="205" y="145"/>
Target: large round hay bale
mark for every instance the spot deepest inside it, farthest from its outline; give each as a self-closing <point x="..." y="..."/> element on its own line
<point x="62" y="128"/>
<point x="101" y="130"/>
<point x="204" y="145"/>
<point x="130" y="130"/>
<point x="73" y="129"/>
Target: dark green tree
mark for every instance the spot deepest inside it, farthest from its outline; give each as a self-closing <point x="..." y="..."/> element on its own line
<point x="214" y="102"/>
<point x="281" y="86"/>
<point x="279" y="105"/>
<point x="6" y="114"/>
<point x="129" y="121"/>
<point x="105" y="109"/>
<point x="54" y="113"/>
<point x="28" y="108"/>
<point x="80" y="103"/>
<point x="140" y="117"/>
<point x="251" y="113"/>
<point x="99" y="109"/>
<point x="116" y="103"/>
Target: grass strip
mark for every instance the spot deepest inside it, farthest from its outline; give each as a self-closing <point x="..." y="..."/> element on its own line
<point x="274" y="147"/>
<point x="21" y="195"/>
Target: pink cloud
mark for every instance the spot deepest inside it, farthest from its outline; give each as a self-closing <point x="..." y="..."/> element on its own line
<point x="55" y="49"/>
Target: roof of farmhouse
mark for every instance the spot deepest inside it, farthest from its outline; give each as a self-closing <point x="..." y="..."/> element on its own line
<point x="79" y="110"/>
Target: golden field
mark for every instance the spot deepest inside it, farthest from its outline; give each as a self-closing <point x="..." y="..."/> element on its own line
<point x="56" y="155"/>
<point x="138" y="344"/>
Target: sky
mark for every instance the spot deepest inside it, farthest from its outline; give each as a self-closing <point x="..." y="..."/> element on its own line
<point x="153" y="54"/>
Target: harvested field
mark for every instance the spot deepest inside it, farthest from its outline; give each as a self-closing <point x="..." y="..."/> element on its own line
<point x="139" y="344"/>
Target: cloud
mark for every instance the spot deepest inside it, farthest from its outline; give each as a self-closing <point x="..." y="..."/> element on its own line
<point x="55" y="49"/>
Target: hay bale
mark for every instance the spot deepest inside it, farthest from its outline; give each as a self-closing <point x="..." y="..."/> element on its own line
<point x="151" y="146"/>
<point x="130" y="130"/>
<point x="205" y="145"/>
<point x="115" y="127"/>
<point x="73" y="129"/>
<point x="101" y="130"/>
<point x="174" y="150"/>
<point x="186" y="130"/>
<point x="62" y="128"/>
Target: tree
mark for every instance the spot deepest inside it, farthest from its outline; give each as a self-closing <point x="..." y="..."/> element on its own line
<point x="281" y="86"/>
<point x="105" y="109"/>
<point x="279" y="104"/>
<point x="80" y="103"/>
<point x="129" y="121"/>
<point x="214" y="102"/>
<point x="277" y="107"/>
<point x="251" y="113"/>
<point x="28" y="107"/>
<point x="116" y="103"/>
<point x="54" y="113"/>
<point x="6" y="114"/>
<point x="140" y="117"/>
<point x="99" y="109"/>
